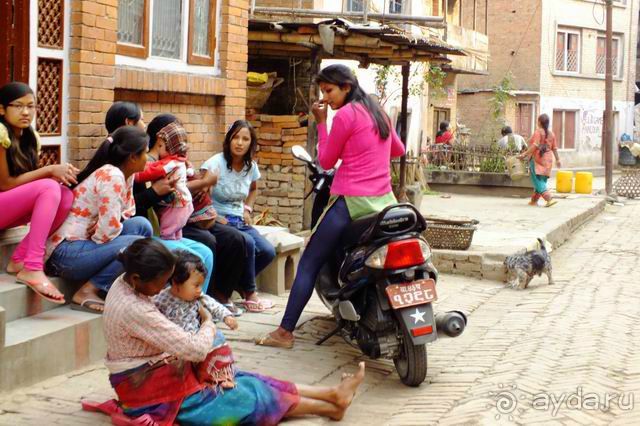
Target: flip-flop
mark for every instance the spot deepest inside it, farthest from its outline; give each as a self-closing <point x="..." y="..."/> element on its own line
<point x="84" y="308"/>
<point x="108" y="407"/>
<point x="258" y="306"/>
<point x="267" y="340"/>
<point x="235" y="310"/>
<point x="551" y="203"/>
<point x="32" y="285"/>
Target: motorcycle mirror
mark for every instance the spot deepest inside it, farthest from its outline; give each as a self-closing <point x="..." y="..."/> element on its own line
<point x="301" y="154"/>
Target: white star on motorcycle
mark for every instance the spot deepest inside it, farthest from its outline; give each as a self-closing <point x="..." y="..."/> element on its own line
<point x="418" y="316"/>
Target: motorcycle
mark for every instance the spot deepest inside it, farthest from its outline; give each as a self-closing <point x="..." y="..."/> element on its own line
<point x="381" y="285"/>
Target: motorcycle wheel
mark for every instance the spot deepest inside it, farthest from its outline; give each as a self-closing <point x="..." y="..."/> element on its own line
<point x="411" y="364"/>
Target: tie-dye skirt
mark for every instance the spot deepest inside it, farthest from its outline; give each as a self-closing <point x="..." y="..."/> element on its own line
<point x="256" y="400"/>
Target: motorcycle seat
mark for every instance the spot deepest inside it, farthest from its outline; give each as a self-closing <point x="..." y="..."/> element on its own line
<point x="357" y="228"/>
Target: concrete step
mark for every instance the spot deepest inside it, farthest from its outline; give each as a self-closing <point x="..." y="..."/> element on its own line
<point x="19" y="301"/>
<point x="48" y="344"/>
<point x="9" y="239"/>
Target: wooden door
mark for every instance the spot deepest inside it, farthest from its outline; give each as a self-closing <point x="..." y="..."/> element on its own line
<point x="439" y="115"/>
<point x="14" y="41"/>
<point x="524" y="120"/>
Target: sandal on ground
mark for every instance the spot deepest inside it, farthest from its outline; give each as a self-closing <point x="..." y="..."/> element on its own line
<point x="268" y="340"/>
<point x="235" y="310"/>
<point x="86" y="304"/>
<point x="551" y="203"/>
<point x="258" y="306"/>
<point x="109" y="407"/>
<point x="33" y="285"/>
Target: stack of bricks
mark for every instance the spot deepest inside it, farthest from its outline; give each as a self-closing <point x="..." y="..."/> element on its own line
<point x="281" y="189"/>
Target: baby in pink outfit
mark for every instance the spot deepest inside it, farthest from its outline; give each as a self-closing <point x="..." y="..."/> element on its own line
<point x="174" y="213"/>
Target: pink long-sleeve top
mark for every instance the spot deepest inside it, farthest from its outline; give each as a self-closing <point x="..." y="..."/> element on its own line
<point x="365" y="168"/>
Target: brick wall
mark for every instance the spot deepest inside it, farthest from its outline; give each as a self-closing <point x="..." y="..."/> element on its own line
<point x="92" y="74"/>
<point x="207" y="104"/>
<point x="515" y="32"/>
<point x="281" y="188"/>
<point x="199" y="114"/>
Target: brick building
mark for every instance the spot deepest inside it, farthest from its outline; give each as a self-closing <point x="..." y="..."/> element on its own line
<point x="185" y="57"/>
<point x="557" y="60"/>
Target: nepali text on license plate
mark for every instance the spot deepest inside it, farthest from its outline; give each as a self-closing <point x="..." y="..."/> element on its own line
<point x="411" y="294"/>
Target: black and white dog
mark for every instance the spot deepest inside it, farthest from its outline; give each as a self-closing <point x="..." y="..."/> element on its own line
<point x="522" y="267"/>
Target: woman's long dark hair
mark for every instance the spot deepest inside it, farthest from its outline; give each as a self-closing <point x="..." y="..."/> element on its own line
<point x="226" y="145"/>
<point x="544" y="122"/>
<point x="340" y="75"/>
<point x="157" y="124"/>
<point x="116" y="149"/>
<point x="119" y="113"/>
<point x="444" y="125"/>
<point x="148" y="258"/>
<point x="22" y="155"/>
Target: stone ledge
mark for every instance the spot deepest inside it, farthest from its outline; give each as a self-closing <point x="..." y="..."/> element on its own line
<point x="149" y="80"/>
<point x="476" y="178"/>
<point x="488" y="264"/>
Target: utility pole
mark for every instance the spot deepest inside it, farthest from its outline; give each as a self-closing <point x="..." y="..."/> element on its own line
<point x="402" y="192"/>
<point x="607" y="143"/>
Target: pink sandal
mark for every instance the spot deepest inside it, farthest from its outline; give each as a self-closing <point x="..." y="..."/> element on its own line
<point x="33" y="286"/>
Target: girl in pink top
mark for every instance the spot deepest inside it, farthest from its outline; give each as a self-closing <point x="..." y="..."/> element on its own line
<point x="29" y="194"/>
<point x="362" y="136"/>
<point x="542" y="150"/>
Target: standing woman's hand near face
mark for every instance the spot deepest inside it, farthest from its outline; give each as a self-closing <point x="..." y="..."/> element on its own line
<point x="319" y="110"/>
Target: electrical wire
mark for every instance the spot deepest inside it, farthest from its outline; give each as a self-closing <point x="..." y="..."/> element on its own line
<point x="593" y="12"/>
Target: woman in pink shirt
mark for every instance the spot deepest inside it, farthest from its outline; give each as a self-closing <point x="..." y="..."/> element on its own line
<point x="542" y="150"/>
<point x="363" y="138"/>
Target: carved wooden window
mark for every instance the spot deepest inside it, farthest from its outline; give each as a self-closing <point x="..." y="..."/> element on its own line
<point x="49" y="154"/>
<point x="51" y="24"/>
<point x="49" y="97"/>
<point x="133" y="28"/>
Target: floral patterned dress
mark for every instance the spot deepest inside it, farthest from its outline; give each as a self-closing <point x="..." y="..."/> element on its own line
<point x="102" y="202"/>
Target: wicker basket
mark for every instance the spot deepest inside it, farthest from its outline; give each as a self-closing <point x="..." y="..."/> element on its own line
<point x="626" y="158"/>
<point x="257" y="96"/>
<point x="449" y="234"/>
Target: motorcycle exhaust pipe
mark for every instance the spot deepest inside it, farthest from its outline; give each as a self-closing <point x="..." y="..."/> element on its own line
<point x="451" y="323"/>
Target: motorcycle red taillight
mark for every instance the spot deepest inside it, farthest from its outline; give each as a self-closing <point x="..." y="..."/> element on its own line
<point x="399" y="254"/>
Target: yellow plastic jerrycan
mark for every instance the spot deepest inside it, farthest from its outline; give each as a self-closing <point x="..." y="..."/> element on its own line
<point x="584" y="182"/>
<point x="564" y="181"/>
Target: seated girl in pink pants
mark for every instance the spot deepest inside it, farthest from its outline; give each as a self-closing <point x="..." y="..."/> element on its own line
<point x="29" y="194"/>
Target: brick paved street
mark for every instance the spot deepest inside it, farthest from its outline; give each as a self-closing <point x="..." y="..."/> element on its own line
<point x="537" y="346"/>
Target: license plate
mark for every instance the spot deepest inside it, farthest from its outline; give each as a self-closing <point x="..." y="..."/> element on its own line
<point x="411" y="294"/>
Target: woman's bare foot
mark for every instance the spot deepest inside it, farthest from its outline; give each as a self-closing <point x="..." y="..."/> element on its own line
<point x="13" y="267"/>
<point x="282" y="335"/>
<point x="40" y="283"/>
<point x="86" y="293"/>
<point x="227" y="384"/>
<point x="346" y="390"/>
